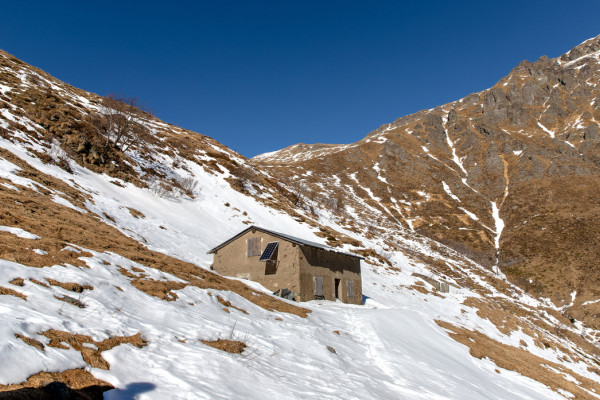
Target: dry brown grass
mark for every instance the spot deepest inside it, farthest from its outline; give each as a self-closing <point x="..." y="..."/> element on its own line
<point x="420" y="288"/>
<point x="135" y="213"/>
<point x="73" y="287"/>
<point x="71" y="300"/>
<point x="17" y="282"/>
<point x="92" y="356"/>
<point x="372" y="253"/>
<point x="509" y="317"/>
<point x="521" y="361"/>
<point x="81" y="384"/>
<point x="505" y="315"/>
<point x="10" y="292"/>
<point x="32" y="342"/>
<point x="227" y="303"/>
<point x="161" y="289"/>
<point x="39" y="283"/>
<point x="230" y="346"/>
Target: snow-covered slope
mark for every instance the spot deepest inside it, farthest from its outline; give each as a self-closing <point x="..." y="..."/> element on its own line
<point x="104" y="273"/>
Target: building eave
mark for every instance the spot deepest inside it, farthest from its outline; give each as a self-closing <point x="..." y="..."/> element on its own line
<point x="283" y="236"/>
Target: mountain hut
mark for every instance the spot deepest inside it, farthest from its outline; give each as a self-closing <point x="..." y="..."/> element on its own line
<point x="289" y="265"/>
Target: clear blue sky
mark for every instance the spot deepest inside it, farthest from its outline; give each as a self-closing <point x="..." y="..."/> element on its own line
<point x="262" y="75"/>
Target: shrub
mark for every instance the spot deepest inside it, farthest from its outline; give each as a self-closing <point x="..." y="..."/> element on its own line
<point x="189" y="186"/>
<point x="159" y="189"/>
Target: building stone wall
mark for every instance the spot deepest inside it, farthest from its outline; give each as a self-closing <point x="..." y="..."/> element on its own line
<point x="295" y="269"/>
<point x="329" y="266"/>
<point x="233" y="260"/>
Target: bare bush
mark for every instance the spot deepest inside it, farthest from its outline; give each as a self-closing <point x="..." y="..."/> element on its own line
<point x="60" y="157"/>
<point x="175" y="189"/>
<point x="159" y="189"/>
<point x="243" y="178"/>
<point x="118" y="122"/>
<point x="189" y="185"/>
<point x="334" y="204"/>
<point x="298" y="191"/>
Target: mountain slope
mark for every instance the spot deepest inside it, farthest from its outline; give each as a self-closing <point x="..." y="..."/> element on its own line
<point x="105" y="278"/>
<point x="508" y="177"/>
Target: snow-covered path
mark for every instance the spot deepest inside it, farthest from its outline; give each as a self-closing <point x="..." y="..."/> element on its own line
<point x="412" y="358"/>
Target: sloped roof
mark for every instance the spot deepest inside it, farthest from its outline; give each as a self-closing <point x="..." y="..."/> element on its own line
<point x="284" y="236"/>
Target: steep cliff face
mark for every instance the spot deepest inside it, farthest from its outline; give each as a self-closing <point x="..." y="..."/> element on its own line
<point x="508" y="176"/>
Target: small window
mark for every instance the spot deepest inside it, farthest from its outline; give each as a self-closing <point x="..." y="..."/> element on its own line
<point x="270" y="252"/>
<point x="350" y="289"/>
<point x="318" y="286"/>
<point x="253" y="247"/>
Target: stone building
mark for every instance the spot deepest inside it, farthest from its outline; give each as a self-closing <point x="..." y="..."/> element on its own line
<point x="279" y="261"/>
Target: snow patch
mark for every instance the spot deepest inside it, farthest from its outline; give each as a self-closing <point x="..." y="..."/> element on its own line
<point x="470" y="214"/>
<point x="548" y="131"/>
<point x="19" y="232"/>
<point x="449" y="192"/>
<point x="498" y="223"/>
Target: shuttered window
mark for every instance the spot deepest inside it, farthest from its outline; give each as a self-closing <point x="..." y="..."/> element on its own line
<point x="253" y="247"/>
<point x="350" y="289"/>
<point x="318" y="286"/>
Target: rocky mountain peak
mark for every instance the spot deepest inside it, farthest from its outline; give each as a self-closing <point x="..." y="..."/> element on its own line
<point x="506" y="176"/>
<point x="588" y="48"/>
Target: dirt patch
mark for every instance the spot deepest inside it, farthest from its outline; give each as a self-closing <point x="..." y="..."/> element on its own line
<point x="523" y="362"/>
<point x="227" y="303"/>
<point x="230" y="346"/>
<point x="92" y="353"/>
<point x="73" y="287"/>
<point x="11" y="292"/>
<point x="77" y="384"/>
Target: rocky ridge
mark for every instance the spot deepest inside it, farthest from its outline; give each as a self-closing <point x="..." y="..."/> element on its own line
<point x="508" y="177"/>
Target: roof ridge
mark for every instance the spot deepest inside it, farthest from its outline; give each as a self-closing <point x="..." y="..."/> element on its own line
<point x="284" y="236"/>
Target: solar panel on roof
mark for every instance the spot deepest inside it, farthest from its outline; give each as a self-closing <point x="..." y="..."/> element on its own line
<point x="269" y="251"/>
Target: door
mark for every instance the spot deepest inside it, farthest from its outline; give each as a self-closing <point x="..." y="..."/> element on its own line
<point x="337" y="288"/>
<point x="318" y="287"/>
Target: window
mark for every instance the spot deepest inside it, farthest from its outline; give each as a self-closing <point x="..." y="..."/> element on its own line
<point x="318" y="286"/>
<point x="350" y="289"/>
<point x="270" y="252"/>
<point x="253" y="247"/>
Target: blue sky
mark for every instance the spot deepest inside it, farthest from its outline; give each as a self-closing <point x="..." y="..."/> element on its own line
<point x="262" y="75"/>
